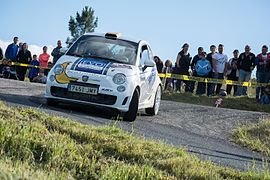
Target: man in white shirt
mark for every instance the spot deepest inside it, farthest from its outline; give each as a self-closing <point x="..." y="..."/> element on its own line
<point x="219" y="62"/>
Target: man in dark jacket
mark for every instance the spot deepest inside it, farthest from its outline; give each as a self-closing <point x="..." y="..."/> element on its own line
<point x="12" y="50"/>
<point x="263" y="70"/>
<point x="245" y="65"/>
<point x="209" y="57"/>
<point x="56" y="52"/>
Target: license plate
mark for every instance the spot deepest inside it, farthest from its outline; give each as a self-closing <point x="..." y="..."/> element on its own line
<point x="83" y="89"/>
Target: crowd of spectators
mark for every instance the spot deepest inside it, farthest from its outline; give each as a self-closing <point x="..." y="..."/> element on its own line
<point x="19" y="53"/>
<point x="216" y="64"/>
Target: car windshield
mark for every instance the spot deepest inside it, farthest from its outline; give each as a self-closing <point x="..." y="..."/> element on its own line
<point x="89" y="46"/>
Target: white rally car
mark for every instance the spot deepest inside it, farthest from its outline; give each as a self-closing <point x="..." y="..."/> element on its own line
<point x="107" y="70"/>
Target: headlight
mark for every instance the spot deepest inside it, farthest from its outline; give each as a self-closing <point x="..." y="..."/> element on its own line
<point x="119" y="78"/>
<point x="58" y="69"/>
<point x="121" y="88"/>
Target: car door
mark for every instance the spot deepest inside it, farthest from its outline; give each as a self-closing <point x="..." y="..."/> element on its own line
<point x="145" y="74"/>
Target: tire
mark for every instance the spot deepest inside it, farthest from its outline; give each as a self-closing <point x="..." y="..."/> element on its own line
<point x="131" y="114"/>
<point x="51" y="102"/>
<point x="154" y="110"/>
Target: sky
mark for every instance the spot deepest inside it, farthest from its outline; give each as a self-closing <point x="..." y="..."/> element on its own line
<point x="166" y="25"/>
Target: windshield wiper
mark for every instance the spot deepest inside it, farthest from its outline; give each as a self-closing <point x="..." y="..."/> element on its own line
<point x="106" y="58"/>
<point x="74" y="54"/>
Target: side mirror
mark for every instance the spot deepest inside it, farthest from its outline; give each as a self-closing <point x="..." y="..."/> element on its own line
<point x="149" y="63"/>
<point x="63" y="50"/>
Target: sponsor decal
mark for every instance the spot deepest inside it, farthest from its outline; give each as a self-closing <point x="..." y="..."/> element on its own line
<point x="124" y="66"/>
<point x="106" y="90"/>
<point x="152" y="77"/>
<point x="91" y="65"/>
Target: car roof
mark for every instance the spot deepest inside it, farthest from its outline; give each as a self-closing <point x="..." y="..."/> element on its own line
<point x="120" y="37"/>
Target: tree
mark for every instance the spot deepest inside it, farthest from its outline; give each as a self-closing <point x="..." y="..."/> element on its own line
<point x="83" y="23"/>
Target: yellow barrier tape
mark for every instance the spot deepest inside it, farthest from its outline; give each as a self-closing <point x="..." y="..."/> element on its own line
<point x="28" y="65"/>
<point x="212" y="80"/>
<point x="182" y="77"/>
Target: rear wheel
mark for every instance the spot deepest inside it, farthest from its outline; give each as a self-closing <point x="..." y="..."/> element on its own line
<point x="154" y="110"/>
<point x="51" y="102"/>
<point x="131" y="114"/>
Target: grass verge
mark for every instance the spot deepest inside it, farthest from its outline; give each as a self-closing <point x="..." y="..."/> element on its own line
<point x="230" y="102"/>
<point x="38" y="146"/>
<point x="255" y="137"/>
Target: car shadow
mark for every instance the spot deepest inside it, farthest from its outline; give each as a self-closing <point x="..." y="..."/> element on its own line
<point x="39" y="101"/>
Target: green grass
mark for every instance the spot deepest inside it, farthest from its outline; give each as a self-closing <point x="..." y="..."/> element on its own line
<point x="254" y="136"/>
<point x="34" y="145"/>
<point x="231" y="102"/>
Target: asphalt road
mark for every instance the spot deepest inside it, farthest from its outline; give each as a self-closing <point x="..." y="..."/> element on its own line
<point x="204" y="131"/>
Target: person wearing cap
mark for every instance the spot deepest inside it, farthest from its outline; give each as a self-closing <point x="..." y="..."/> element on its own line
<point x="203" y="68"/>
<point x="232" y="72"/>
<point x="193" y="63"/>
<point x="219" y="64"/>
<point x="263" y="70"/>
<point x="245" y="65"/>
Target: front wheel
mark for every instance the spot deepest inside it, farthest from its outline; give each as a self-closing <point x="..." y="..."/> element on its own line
<point x="131" y="114"/>
<point x="154" y="110"/>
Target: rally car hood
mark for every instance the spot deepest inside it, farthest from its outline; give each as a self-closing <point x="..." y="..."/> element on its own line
<point x="96" y="66"/>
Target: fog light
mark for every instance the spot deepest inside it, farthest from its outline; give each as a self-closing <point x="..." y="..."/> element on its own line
<point x="52" y="78"/>
<point x="121" y="88"/>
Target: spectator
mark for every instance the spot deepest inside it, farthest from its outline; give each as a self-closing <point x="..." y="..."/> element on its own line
<point x="213" y="50"/>
<point x="9" y="71"/>
<point x="24" y="56"/>
<point x="41" y="78"/>
<point x="245" y="65"/>
<point x="265" y="97"/>
<point x="182" y="67"/>
<point x="193" y="63"/>
<point x="20" y="46"/>
<point x="232" y="72"/>
<point x="12" y="50"/>
<point x="167" y="70"/>
<point x="263" y="70"/>
<point x="2" y="66"/>
<point x="44" y="58"/>
<point x="33" y="72"/>
<point x="219" y="63"/>
<point x="159" y="64"/>
<point x="56" y="52"/>
<point x="47" y="70"/>
<point x="1" y="54"/>
<point x="202" y="69"/>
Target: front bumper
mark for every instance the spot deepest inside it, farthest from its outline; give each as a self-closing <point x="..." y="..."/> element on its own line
<point x="111" y="99"/>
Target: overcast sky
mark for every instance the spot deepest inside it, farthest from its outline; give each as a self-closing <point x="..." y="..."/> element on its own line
<point x="166" y="25"/>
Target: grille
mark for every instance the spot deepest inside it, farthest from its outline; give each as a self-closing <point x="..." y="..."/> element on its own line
<point x="99" y="98"/>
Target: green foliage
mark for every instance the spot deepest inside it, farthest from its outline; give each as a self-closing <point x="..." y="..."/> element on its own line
<point x="45" y="147"/>
<point x="82" y="23"/>
<point x="254" y="136"/>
